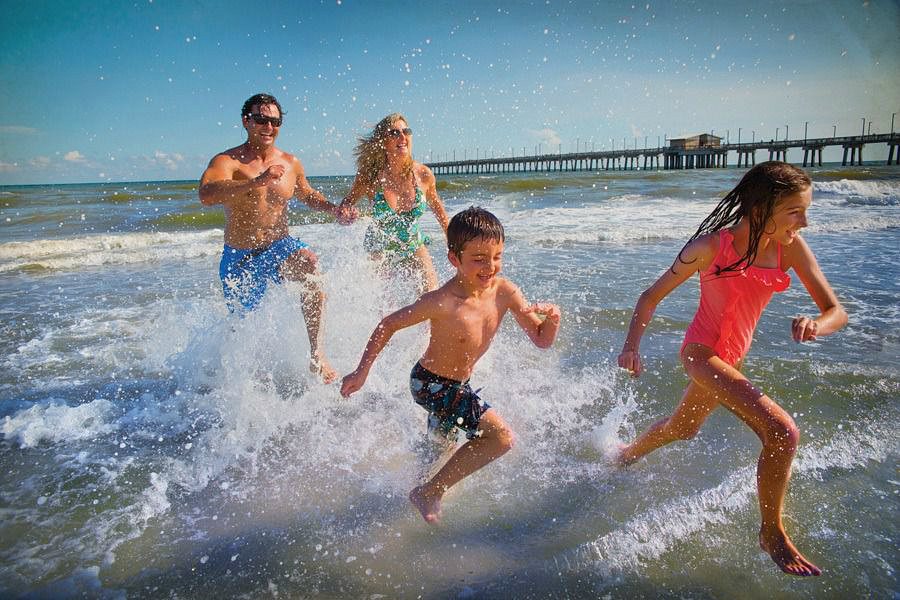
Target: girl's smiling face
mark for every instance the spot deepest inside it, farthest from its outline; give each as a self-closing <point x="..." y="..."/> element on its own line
<point x="789" y="217"/>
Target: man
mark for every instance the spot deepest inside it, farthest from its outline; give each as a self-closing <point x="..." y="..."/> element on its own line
<point x="254" y="183"/>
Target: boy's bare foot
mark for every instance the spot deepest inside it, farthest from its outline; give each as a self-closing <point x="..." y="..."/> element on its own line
<point x="777" y="544"/>
<point x="321" y="367"/>
<point x="428" y="505"/>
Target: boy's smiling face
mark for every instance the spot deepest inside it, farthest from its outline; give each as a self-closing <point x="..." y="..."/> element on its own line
<point x="479" y="263"/>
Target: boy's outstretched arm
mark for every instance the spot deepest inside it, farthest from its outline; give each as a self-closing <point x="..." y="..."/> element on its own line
<point x="541" y="331"/>
<point x="407" y="316"/>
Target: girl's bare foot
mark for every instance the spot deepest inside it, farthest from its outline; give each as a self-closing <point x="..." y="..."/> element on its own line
<point x="429" y="505"/>
<point x="777" y="544"/>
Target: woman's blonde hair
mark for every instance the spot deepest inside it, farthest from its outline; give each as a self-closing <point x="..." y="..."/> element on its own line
<point x="370" y="154"/>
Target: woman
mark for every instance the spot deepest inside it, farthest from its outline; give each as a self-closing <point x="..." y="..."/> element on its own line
<point x="400" y="189"/>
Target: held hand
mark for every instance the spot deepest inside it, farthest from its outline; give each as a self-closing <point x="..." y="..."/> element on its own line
<point x="804" y="329"/>
<point x="270" y="175"/>
<point x="550" y="312"/>
<point x="352" y="383"/>
<point x="346" y="213"/>
<point x="631" y="360"/>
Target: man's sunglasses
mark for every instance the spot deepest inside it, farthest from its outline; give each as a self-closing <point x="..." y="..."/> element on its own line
<point x="398" y="132"/>
<point x="263" y="119"/>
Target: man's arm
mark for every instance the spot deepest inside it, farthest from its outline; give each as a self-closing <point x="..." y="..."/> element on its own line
<point x="218" y="185"/>
<point x="309" y="196"/>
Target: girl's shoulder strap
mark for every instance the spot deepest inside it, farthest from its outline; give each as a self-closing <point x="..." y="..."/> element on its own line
<point x="725" y="252"/>
<point x="707" y="248"/>
<point x="726" y="241"/>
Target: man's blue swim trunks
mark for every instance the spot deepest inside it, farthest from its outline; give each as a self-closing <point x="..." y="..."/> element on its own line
<point x="246" y="272"/>
<point x="449" y="402"/>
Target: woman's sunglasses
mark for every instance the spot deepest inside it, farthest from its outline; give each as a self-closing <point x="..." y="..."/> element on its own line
<point x="263" y="119"/>
<point x="398" y="132"/>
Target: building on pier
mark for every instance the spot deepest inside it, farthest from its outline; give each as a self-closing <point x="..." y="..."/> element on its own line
<point x="699" y="151"/>
<point x="694" y="142"/>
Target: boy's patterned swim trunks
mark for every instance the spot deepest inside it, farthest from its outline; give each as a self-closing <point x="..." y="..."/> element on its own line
<point x="452" y="402"/>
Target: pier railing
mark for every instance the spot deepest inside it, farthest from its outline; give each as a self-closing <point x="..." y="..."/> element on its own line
<point x="668" y="157"/>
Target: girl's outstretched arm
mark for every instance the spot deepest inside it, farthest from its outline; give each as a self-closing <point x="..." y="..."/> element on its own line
<point x="696" y="256"/>
<point x="832" y="315"/>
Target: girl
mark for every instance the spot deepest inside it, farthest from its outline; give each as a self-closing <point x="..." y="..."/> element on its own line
<point x="742" y="251"/>
<point x="400" y="189"/>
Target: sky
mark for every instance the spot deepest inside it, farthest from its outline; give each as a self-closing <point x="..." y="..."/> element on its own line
<point x="152" y="89"/>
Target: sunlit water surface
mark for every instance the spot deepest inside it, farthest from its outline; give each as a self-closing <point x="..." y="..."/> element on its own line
<point x="155" y="446"/>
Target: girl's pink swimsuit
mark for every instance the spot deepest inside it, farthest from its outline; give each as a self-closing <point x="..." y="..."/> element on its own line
<point x="731" y="304"/>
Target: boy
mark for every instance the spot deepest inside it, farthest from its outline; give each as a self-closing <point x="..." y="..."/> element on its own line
<point x="464" y="314"/>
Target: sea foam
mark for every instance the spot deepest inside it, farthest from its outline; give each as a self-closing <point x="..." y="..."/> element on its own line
<point x="108" y="249"/>
<point x="660" y="528"/>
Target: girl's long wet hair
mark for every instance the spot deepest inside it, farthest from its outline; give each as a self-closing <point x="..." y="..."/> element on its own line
<point x="754" y="199"/>
<point x="371" y="156"/>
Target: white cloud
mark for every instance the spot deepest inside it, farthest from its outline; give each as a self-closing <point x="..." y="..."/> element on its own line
<point x="39" y="162"/>
<point x="546" y="136"/>
<point x="169" y="161"/>
<point x="8" y="167"/>
<point x="74" y="156"/>
<point x="17" y="129"/>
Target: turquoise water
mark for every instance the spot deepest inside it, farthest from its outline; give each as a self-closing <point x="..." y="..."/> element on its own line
<point x="154" y="447"/>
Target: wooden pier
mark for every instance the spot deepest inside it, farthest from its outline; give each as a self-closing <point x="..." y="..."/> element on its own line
<point x="674" y="157"/>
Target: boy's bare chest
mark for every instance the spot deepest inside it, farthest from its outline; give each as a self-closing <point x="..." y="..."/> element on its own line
<point x="476" y="324"/>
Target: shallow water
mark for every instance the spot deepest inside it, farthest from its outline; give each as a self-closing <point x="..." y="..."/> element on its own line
<point x="153" y="446"/>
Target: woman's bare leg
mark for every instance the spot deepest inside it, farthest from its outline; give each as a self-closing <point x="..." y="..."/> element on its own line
<point x="426" y="266"/>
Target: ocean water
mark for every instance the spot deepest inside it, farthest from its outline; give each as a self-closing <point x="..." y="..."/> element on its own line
<point x="154" y="446"/>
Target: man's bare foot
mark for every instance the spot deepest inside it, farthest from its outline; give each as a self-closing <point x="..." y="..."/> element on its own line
<point x="321" y="367"/>
<point x="428" y="505"/>
<point x="777" y="544"/>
